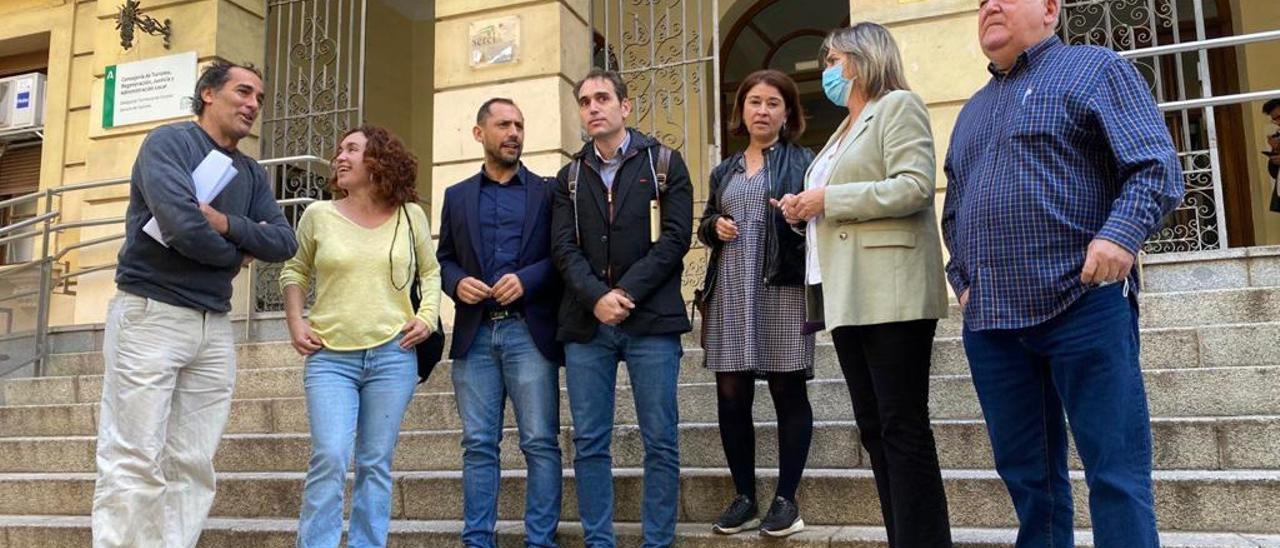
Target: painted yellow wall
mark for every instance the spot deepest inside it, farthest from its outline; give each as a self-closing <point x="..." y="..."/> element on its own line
<point x="1259" y="71"/>
<point x="423" y="113"/>
<point x="399" y="78"/>
<point x="388" y="89"/>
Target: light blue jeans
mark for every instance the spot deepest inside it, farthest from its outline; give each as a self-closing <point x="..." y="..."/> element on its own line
<point x="359" y="395"/>
<point x="502" y="362"/>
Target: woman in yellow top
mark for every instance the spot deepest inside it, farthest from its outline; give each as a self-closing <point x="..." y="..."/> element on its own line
<point x="361" y="252"/>
<point x="874" y="271"/>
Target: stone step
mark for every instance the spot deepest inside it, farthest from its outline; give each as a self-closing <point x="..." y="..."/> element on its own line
<point x="1158" y="310"/>
<point x="1200" y="270"/>
<point x="272" y="370"/>
<point x="73" y="532"/>
<point x="1237" y="501"/>
<point x="1198" y="443"/>
<point x="1207" y="392"/>
<point x="255" y="355"/>
<point x="1231" y="305"/>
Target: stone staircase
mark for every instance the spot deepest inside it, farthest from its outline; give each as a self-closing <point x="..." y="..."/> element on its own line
<point x="1211" y="358"/>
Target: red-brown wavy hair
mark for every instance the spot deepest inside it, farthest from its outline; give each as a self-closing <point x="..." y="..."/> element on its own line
<point x="393" y="170"/>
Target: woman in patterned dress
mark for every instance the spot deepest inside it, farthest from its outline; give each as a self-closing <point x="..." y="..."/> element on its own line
<point x="753" y="299"/>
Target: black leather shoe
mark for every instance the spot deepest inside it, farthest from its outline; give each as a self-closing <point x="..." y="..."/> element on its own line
<point x="741" y="515"/>
<point x="782" y="520"/>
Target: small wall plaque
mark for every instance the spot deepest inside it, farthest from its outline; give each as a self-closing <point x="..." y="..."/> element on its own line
<point x="494" y="41"/>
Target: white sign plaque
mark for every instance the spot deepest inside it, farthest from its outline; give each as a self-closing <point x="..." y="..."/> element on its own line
<point x="152" y="89"/>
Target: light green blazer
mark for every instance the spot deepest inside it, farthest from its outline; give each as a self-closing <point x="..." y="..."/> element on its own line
<point x="878" y="244"/>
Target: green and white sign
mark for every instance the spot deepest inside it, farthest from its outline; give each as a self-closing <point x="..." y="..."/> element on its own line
<point x="152" y="89"/>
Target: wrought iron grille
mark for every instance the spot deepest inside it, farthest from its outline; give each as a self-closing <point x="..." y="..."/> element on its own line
<point x="315" y="91"/>
<point x="667" y="51"/>
<point x="1128" y="25"/>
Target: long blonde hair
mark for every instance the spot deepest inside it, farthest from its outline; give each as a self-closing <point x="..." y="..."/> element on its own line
<point x="879" y="64"/>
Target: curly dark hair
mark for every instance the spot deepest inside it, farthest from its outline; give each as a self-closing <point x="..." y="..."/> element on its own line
<point x="392" y="168"/>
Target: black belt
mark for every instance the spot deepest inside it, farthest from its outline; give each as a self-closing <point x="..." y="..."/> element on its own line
<point x="501" y="314"/>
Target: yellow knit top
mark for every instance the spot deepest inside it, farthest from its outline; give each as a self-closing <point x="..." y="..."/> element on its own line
<point x="362" y="283"/>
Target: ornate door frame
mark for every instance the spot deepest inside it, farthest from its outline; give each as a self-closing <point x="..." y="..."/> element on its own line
<point x="314" y="75"/>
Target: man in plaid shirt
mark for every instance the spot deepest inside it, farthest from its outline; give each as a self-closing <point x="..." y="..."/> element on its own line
<point x="1058" y="170"/>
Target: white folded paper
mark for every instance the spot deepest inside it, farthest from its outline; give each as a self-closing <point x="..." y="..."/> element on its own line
<point x="210" y="177"/>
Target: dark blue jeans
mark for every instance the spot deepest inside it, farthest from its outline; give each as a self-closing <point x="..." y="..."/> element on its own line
<point x="504" y="362"/>
<point x="591" y="373"/>
<point x="1083" y="361"/>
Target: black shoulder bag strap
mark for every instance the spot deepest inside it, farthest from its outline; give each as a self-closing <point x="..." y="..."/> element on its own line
<point x="431" y="350"/>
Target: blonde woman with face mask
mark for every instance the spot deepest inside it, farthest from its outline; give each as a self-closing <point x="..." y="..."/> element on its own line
<point x="874" y="271"/>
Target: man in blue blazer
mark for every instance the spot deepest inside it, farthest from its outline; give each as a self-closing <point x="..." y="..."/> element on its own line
<point x="495" y="256"/>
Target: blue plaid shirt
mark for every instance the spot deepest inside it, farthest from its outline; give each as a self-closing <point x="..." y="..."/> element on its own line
<point x="1065" y="147"/>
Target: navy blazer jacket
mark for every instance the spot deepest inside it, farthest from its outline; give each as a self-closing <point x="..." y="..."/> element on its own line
<point x="459" y="256"/>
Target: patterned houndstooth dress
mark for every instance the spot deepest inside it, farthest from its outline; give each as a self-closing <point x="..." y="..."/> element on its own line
<point x="752" y="327"/>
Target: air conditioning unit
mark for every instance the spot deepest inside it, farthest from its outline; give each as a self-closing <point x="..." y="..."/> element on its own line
<point x="22" y="102"/>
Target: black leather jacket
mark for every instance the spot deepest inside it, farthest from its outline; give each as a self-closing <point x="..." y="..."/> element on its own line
<point x="784" y="248"/>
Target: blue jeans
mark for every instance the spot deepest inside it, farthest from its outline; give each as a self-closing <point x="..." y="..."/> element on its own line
<point x="360" y="394"/>
<point x="591" y="372"/>
<point x="1085" y="361"/>
<point x="501" y="362"/>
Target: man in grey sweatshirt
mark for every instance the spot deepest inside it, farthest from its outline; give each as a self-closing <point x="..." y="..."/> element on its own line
<point x="168" y="348"/>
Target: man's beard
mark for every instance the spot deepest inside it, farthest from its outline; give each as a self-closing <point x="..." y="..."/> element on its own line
<point x="502" y="160"/>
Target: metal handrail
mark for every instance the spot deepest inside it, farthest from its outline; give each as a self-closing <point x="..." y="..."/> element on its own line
<point x="1197" y="45"/>
<point x="51" y="253"/>
<point x="28" y="222"/>
<point x="14" y="269"/>
<point x="87" y="185"/>
<point x="1221" y="100"/>
<point x="21" y="199"/>
<point x="86" y="243"/>
<point x="80" y="272"/>
<point x="82" y="224"/>
<point x="294" y="201"/>
<point x="20" y="236"/>
<point x="294" y="159"/>
<point x="16" y="296"/>
<point x="1200" y="45"/>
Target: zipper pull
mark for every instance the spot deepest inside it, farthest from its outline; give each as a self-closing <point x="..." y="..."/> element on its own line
<point x="610" y="198"/>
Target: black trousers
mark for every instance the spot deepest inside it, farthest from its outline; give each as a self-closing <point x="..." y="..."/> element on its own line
<point x="886" y="367"/>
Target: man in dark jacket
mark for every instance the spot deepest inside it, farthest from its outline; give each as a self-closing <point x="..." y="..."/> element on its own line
<point x="495" y="258"/>
<point x="621" y="223"/>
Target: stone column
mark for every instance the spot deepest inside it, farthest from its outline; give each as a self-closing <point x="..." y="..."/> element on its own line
<point x="554" y="51"/>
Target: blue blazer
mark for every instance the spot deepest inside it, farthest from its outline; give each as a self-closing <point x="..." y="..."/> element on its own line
<point x="459" y="256"/>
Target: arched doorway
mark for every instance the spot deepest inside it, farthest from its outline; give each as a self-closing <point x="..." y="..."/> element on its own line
<point x="784" y="35"/>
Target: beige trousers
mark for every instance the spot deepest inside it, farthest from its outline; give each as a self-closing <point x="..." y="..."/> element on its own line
<point x="166" y="395"/>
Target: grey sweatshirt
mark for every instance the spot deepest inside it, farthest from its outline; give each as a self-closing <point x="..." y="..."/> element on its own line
<point x="196" y="270"/>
